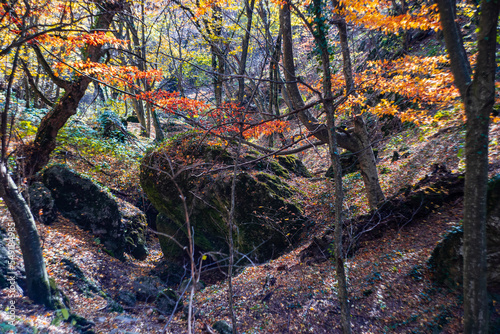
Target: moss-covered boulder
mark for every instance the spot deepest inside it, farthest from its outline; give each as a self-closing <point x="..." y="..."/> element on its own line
<point x="41" y="203"/>
<point x="293" y="165"/>
<point x="168" y="302"/>
<point x="446" y="260"/>
<point x="117" y="224"/>
<point x="134" y="224"/>
<point x="282" y="166"/>
<point x="267" y="218"/>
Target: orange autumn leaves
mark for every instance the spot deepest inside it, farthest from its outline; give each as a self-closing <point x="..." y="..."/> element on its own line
<point x="375" y="15"/>
<point x="412" y="88"/>
<point x="227" y="120"/>
<point x="117" y="76"/>
<point x="420" y="81"/>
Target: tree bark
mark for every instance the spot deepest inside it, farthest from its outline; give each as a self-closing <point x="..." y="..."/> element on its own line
<point x="460" y="66"/>
<point x="479" y="98"/>
<point x="136" y="52"/>
<point x="159" y="136"/>
<point x="365" y="155"/>
<point x="37" y="281"/>
<point x="309" y="121"/>
<point x="217" y="56"/>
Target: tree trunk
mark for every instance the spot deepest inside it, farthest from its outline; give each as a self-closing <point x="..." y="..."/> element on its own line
<point x="136" y="52"/>
<point x="214" y="28"/>
<point x="309" y="121"/>
<point x="38" y="287"/>
<point x="357" y="143"/>
<point x="159" y="137"/>
<point x="274" y="50"/>
<point x="244" y="52"/>
<point x="367" y="163"/>
<point x="459" y="62"/>
<point x="320" y="30"/>
<point x="37" y="281"/>
<point x="479" y="98"/>
<point x="365" y="155"/>
<point x="45" y="141"/>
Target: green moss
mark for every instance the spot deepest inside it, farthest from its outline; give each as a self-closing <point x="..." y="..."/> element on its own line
<point x="266" y="221"/>
<point x="294" y="165"/>
<point x="275" y="185"/>
<point x="279" y="170"/>
<point x="446" y="260"/>
<point x="166" y="226"/>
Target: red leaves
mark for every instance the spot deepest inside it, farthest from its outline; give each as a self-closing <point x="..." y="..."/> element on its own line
<point x="227" y="120"/>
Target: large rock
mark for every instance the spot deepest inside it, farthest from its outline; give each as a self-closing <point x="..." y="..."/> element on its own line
<point x="168" y="302"/>
<point x="447" y="258"/>
<point x="4" y="261"/>
<point x="41" y="203"/>
<point x="267" y="219"/>
<point x="119" y="225"/>
<point x="293" y="165"/>
<point x="147" y="288"/>
<point x="134" y="224"/>
<point x="79" y="280"/>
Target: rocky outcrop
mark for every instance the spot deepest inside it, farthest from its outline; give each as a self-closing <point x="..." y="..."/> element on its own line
<point x="151" y="289"/>
<point x="134" y="225"/>
<point x="118" y="225"/>
<point x="267" y="219"/>
<point x="41" y="203"/>
<point x="447" y="258"/>
<point x="293" y="165"/>
<point x="168" y="302"/>
<point x="410" y="204"/>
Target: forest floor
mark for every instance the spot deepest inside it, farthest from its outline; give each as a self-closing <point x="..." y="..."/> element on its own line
<point x="390" y="287"/>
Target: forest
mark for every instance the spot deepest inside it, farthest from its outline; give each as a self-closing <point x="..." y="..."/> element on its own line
<point x="249" y="166"/>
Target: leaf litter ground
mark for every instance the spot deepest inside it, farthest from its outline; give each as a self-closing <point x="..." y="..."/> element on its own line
<point x="389" y="284"/>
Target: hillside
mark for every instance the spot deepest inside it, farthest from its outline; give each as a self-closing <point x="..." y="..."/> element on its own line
<point x="249" y="166"/>
<point x="390" y="286"/>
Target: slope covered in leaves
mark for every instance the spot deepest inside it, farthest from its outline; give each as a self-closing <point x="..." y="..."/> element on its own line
<point x="389" y="283"/>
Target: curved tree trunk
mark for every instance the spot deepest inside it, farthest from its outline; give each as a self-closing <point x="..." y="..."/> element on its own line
<point x="37" y="156"/>
<point x="38" y="287"/>
<point x="37" y="281"/>
<point x="45" y="141"/>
